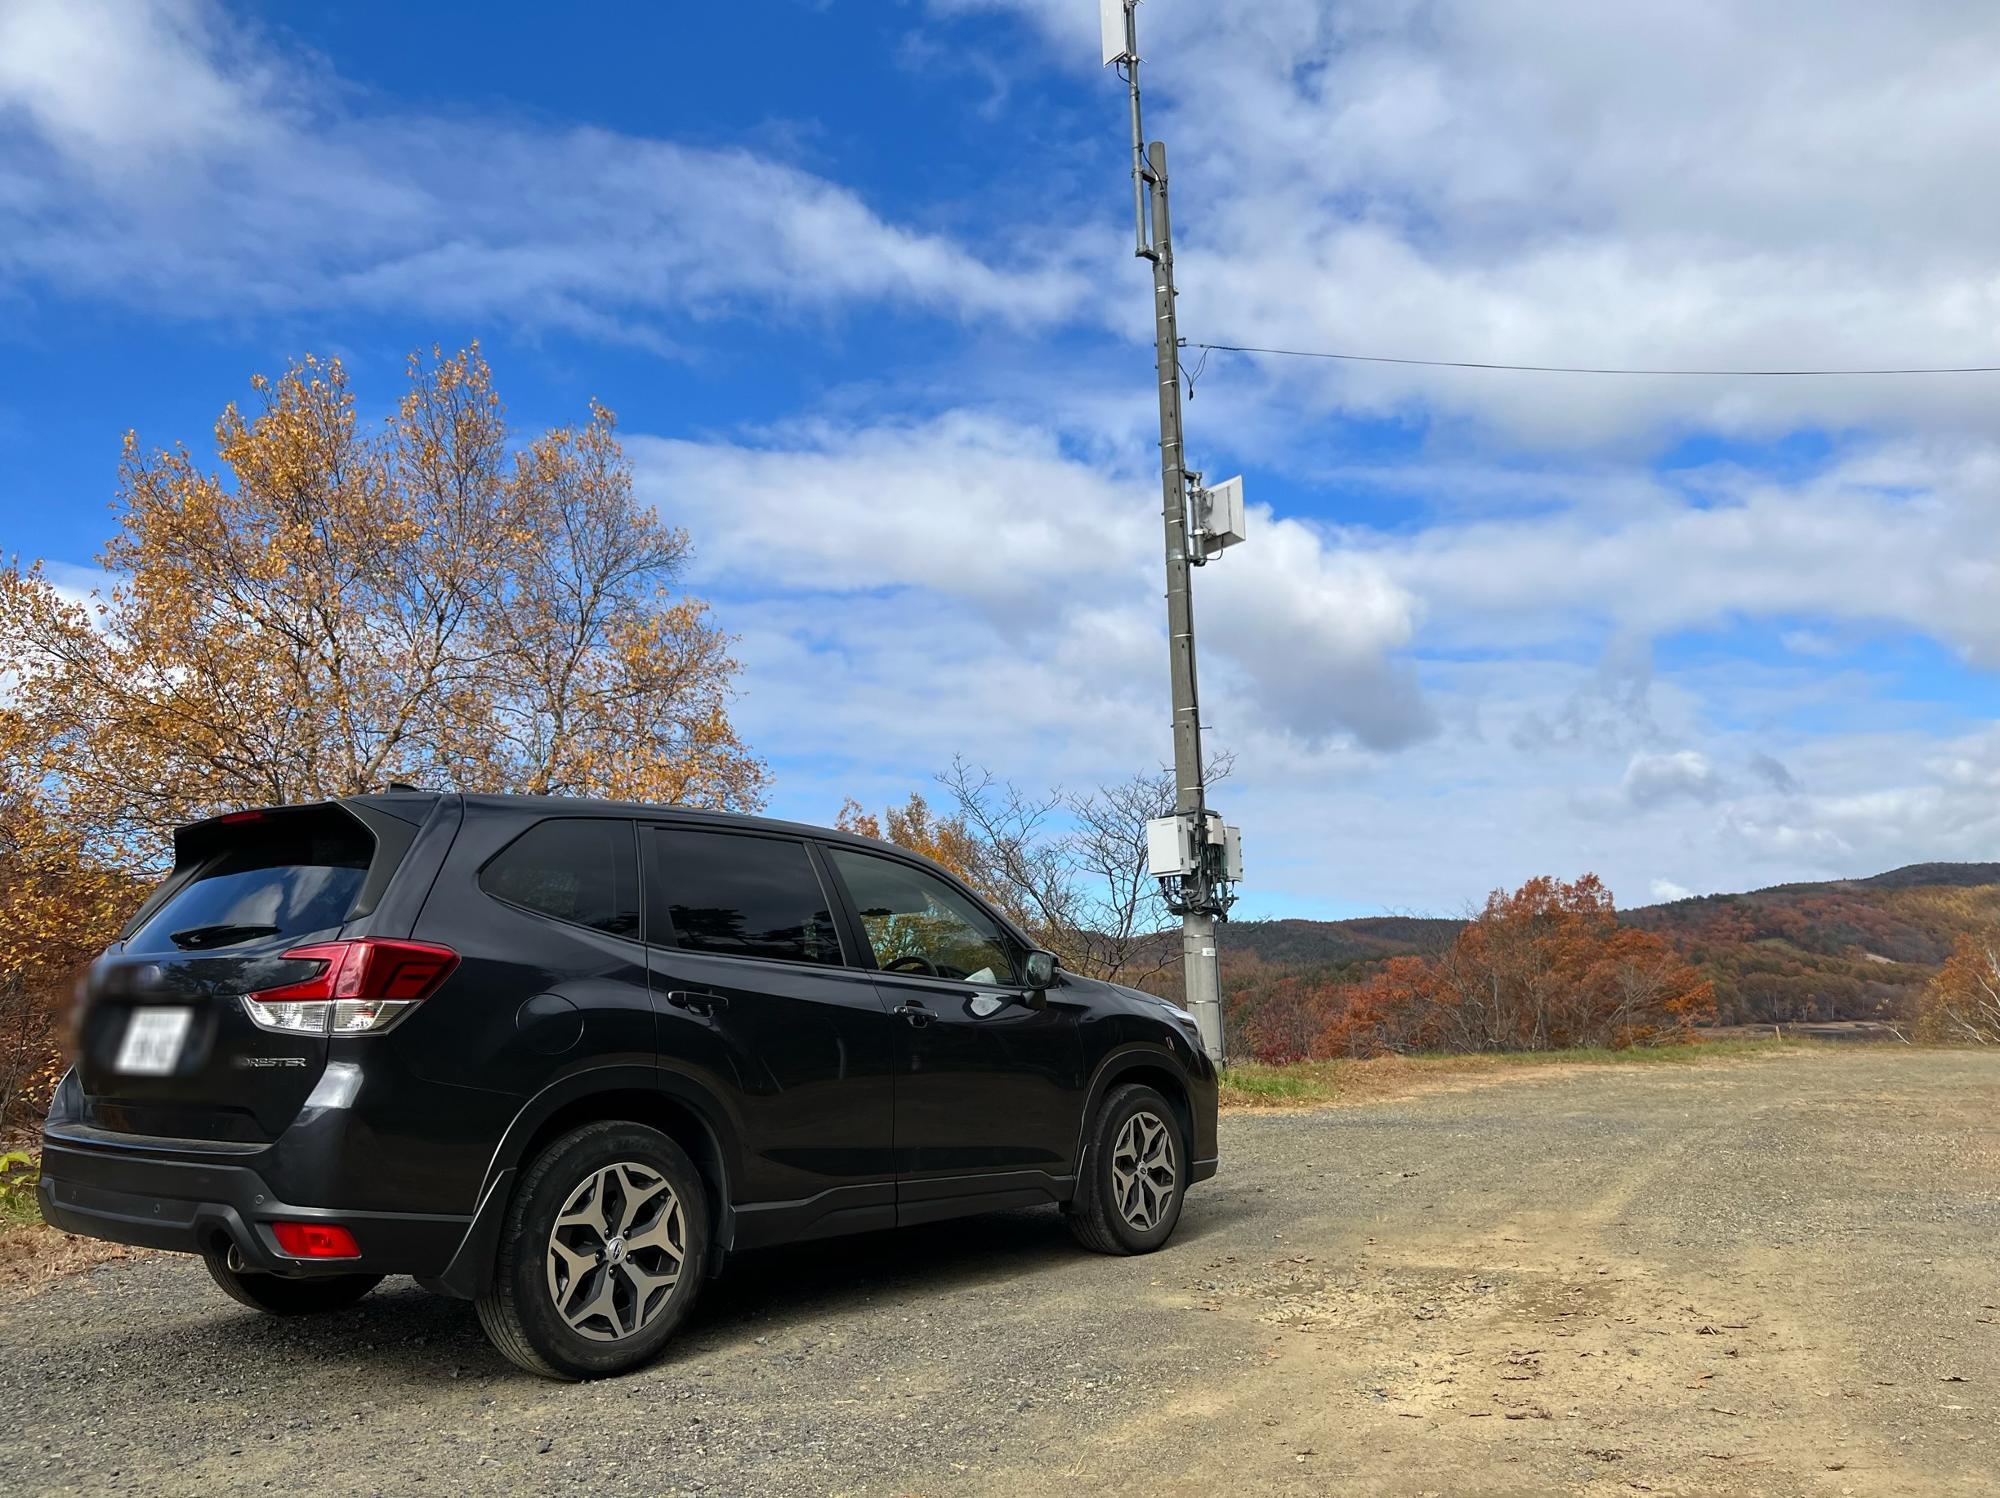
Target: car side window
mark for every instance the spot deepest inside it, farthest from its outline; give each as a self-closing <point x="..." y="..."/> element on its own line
<point x="917" y="923"/>
<point x="584" y="870"/>
<point x="743" y="896"/>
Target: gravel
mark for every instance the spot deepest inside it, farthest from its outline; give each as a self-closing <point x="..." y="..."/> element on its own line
<point x="1759" y="1276"/>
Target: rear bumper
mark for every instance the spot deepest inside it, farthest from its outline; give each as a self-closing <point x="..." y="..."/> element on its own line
<point x="172" y="1195"/>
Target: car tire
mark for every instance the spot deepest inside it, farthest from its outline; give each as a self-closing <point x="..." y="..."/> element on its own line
<point x="601" y="1256"/>
<point x="276" y="1295"/>
<point x="1135" y="1175"/>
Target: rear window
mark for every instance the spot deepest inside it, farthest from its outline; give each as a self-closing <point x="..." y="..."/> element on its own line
<point x="279" y="877"/>
<point x="583" y="870"/>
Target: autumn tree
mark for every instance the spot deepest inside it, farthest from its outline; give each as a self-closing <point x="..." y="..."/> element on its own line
<point x="1070" y="867"/>
<point x="1396" y="1008"/>
<point x="1067" y="867"/>
<point x="56" y="907"/>
<point x="1962" y="1002"/>
<point x="913" y="825"/>
<point x="337" y="608"/>
<point x="1547" y="967"/>
<point x="334" y="607"/>
<point x="1286" y="1022"/>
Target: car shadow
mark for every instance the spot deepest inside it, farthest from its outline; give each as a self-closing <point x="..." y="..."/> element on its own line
<point x="803" y="1282"/>
<point x="403" y="1333"/>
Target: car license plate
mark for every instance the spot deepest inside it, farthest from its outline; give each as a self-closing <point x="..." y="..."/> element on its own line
<point x="153" y="1038"/>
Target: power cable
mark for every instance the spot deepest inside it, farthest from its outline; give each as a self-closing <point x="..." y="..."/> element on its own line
<point x="1585" y="369"/>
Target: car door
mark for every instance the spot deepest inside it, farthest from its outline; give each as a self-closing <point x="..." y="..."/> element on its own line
<point x="759" y="1001"/>
<point x="989" y="1080"/>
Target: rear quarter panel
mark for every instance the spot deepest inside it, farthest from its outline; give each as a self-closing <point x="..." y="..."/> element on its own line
<point x="535" y="1004"/>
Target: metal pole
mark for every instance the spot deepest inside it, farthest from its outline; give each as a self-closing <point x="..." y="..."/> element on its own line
<point x="1199" y="966"/>
<point x="1138" y="131"/>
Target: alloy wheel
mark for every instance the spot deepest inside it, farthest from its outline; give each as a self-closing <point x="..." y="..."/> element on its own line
<point x="1143" y="1173"/>
<point x="615" y="1252"/>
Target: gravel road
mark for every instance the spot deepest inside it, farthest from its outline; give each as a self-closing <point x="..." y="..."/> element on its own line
<point x="1759" y="1276"/>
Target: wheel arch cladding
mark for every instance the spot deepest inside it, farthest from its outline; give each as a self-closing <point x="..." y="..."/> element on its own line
<point x="1148" y="1068"/>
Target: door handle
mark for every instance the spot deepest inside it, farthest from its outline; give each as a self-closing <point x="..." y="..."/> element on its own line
<point x="696" y="1003"/>
<point x="915" y="1013"/>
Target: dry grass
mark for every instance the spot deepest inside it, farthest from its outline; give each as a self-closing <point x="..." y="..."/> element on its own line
<point x="1251" y="1087"/>
<point x="33" y="1255"/>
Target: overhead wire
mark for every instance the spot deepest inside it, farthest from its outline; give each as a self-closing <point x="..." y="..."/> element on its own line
<point x="1584" y="369"/>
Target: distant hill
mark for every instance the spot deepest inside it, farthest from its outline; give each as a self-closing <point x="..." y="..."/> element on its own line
<point x="1917" y="875"/>
<point x="1323" y="944"/>
<point x="1841" y="949"/>
<point x="1838" y="949"/>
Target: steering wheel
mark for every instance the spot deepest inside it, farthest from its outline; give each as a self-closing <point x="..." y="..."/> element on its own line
<point x="911" y="964"/>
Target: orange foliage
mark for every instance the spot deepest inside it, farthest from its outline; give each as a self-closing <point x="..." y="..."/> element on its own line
<point x="330" y="610"/>
<point x="56" y="910"/>
<point x="1547" y="967"/>
<point x="913" y="825"/>
<point x="337" y="608"/>
<point x="1858" y="949"/>
<point x="1963" y="1002"/>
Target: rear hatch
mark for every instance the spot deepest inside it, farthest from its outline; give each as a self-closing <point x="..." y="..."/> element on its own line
<point x="166" y="1046"/>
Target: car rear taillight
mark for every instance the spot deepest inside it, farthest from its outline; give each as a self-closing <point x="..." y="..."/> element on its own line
<point x="315" y="1240"/>
<point x="362" y="987"/>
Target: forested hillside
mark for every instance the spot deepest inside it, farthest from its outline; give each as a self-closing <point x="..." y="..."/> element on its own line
<point x="1332" y="944"/>
<point x="1851" y="949"/>
<point x="1844" y="949"/>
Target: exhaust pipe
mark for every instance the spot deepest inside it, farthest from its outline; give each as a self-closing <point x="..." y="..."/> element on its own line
<point x="235" y="1260"/>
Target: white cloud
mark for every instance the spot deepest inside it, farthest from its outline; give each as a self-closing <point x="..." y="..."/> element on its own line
<point x="1710" y="184"/>
<point x="1771" y="771"/>
<point x="125" y="89"/>
<point x="974" y="524"/>
<point x="1666" y="891"/>
<point x="1654" y="779"/>
<point x="912" y="590"/>
<point x="1435" y="826"/>
<point x="1809" y="642"/>
<point x="1889" y="799"/>
<point x="86" y="587"/>
<point x="164" y="154"/>
<point x="1546" y="181"/>
<point x="1904" y="534"/>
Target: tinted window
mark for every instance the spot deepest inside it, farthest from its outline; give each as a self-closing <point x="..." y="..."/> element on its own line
<point x="746" y="896"/>
<point x="578" y="869"/>
<point x="287" y="876"/>
<point x="917" y="923"/>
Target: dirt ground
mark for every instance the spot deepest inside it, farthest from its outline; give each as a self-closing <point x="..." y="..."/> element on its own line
<point x="1761" y="1276"/>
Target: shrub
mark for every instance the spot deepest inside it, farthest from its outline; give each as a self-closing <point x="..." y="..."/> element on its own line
<point x="1547" y="967"/>
<point x="1963" y="1002"/>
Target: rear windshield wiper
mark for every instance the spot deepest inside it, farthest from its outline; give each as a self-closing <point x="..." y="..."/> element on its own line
<point x="222" y="934"/>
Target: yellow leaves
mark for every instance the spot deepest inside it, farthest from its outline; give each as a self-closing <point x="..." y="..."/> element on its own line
<point x="332" y="608"/>
<point x="1962" y="1003"/>
<point x="853" y="818"/>
<point x="329" y="610"/>
<point x="56" y="907"/>
<point x="913" y="825"/>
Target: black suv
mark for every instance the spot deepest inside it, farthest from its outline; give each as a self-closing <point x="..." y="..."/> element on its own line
<point x="562" y="1057"/>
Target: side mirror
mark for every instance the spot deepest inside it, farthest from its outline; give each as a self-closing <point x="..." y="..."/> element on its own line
<point x="1040" y="969"/>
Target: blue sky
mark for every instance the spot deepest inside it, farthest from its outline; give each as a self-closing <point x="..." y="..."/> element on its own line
<point x="857" y="279"/>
